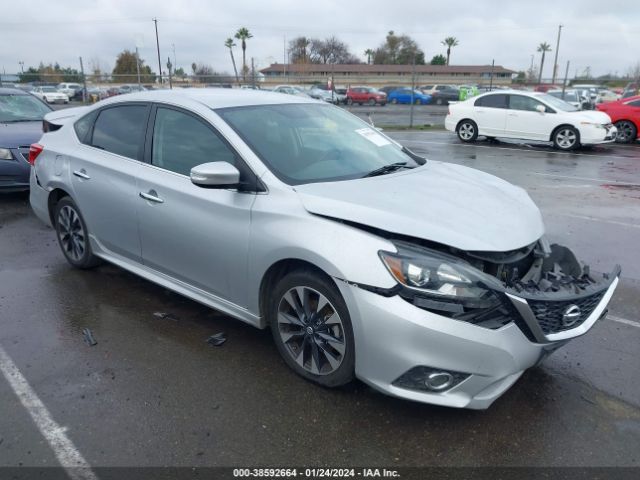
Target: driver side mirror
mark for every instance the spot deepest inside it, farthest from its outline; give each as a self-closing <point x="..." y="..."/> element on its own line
<point x="540" y="108"/>
<point x="215" y="175"/>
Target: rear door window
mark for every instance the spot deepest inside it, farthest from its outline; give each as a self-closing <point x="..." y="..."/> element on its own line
<point x="492" y="101"/>
<point x="121" y="129"/>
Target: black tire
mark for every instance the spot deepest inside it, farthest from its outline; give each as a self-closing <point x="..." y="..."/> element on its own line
<point x="566" y="138"/>
<point x="73" y="238"/>
<point x="627" y="131"/>
<point x="467" y="131"/>
<point x="349" y="101"/>
<point x="372" y="102"/>
<point x="394" y="100"/>
<point x="303" y="342"/>
<point x="439" y="101"/>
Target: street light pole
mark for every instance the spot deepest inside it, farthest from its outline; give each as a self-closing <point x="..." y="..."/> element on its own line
<point x="155" y="20"/>
<point x="555" y="60"/>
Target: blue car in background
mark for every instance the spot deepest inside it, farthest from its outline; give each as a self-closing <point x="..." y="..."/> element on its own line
<point x="403" y="95"/>
<point x="20" y="125"/>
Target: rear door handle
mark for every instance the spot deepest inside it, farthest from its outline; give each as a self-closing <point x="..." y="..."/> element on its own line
<point x="82" y="173"/>
<point x="152" y="196"/>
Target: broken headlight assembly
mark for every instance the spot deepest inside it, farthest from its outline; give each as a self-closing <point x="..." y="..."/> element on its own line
<point x="447" y="285"/>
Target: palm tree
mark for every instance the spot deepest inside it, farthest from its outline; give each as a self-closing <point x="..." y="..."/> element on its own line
<point x="369" y="53"/>
<point x="229" y="43"/>
<point x="449" y="42"/>
<point x="544" y="47"/>
<point x="243" y="35"/>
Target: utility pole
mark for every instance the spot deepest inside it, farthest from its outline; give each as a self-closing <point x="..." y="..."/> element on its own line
<point x="493" y="62"/>
<point x="155" y="20"/>
<point x="284" y="55"/>
<point x="413" y="88"/>
<point x="564" y="84"/>
<point x="169" y="68"/>
<point x="555" y="60"/>
<point x="84" y="82"/>
<point x="175" y="62"/>
<point x="138" y="66"/>
<point x="253" y="74"/>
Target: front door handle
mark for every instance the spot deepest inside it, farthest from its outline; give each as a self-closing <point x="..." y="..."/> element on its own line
<point x="152" y="196"/>
<point x="82" y="173"/>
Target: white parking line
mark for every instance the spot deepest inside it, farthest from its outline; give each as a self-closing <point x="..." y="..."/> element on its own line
<point x="67" y="454"/>
<point x="631" y="323"/>
<point x="528" y="150"/>
<point x="588" y="179"/>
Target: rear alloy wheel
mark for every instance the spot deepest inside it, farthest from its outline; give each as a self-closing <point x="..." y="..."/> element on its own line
<point x="439" y="101"/>
<point x="467" y="131"/>
<point x="371" y="102"/>
<point x="311" y="327"/>
<point x="565" y="138"/>
<point x="627" y="131"/>
<point x="72" y="235"/>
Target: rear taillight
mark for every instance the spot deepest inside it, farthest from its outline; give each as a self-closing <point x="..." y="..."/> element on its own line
<point x="34" y="150"/>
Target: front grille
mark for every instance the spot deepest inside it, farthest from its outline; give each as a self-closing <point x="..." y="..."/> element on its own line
<point x="549" y="313"/>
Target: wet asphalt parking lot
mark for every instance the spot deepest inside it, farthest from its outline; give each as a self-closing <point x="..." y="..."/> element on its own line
<point x="152" y="392"/>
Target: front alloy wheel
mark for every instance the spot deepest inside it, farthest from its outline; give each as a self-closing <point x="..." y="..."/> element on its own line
<point x="627" y="131"/>
<point x="312" y="329"/>
<point x="566" y="138"/>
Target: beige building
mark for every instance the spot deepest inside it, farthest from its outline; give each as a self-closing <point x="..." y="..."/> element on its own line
<point x="380" y="75"/>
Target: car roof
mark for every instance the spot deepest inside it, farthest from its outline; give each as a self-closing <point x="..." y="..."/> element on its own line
<point x="213" y="97"/>
<point x="12" y="91"/>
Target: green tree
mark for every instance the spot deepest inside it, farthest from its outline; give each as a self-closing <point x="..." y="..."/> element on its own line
<point x="51" y="73"/>
<point x="398" y="50"/>
<point x="299" y="50"/>
<point x="369" y="53"/>
<point x="229" y="43"/>
<point x="544" y="47"/>
<point x="243" y="35"/>
<point x="125" y="70"/>
<point x="438" y="60"/>
<point x="450" y="42"/>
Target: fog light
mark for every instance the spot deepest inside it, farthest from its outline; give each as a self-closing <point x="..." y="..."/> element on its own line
<point x="439" y="381"/>
<point x="429" y="379"/>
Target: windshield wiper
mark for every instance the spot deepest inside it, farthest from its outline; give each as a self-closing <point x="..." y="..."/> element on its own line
<point x="386" y="169"/>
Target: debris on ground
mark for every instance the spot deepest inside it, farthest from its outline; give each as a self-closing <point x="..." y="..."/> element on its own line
<point x="217" y="339"/>
<point x="168" y="316"/>
<point x="88" y="337"/>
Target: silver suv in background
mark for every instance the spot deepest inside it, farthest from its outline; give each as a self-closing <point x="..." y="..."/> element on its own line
<point x="294" y="215"/>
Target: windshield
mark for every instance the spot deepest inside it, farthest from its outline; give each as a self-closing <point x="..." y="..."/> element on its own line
<point x="557" y="103"/>
<point x="568" y="96"/>
<point x="49" y="89"/>
<point x="307" y="143"/>
<point x="20" y="108"/>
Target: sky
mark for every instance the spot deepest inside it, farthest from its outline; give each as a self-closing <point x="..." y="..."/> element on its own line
<point x="601" y="35"/>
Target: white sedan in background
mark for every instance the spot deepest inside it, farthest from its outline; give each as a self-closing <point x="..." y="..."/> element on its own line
<point x="50" y="95"/>
<point x="528" y="116"/>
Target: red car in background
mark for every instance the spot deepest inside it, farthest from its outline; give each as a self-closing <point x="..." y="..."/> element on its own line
<point x="625" y="114"/>
<point x="364" y="95"/>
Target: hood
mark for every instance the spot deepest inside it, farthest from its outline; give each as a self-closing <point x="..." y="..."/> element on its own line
<point x="449" y="204"/>
<point x="19" y="134"/>
<point x="591" y="116"/>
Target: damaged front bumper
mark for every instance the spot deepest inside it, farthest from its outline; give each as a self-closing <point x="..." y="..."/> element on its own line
<point x="413" y="347"/>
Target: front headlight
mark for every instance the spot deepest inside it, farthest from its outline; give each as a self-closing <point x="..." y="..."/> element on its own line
<point x="5" y="154"/>
<point x="446" y="285"/>
<point x="592" y="124"/>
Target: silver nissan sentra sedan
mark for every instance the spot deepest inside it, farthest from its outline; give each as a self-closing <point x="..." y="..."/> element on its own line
<point x="429" y="281"/>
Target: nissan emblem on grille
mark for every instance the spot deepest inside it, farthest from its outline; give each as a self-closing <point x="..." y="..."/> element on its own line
<point x="571" y="315"/>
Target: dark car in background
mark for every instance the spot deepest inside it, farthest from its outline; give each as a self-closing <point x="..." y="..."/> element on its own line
<point x="21" y="124"/>
<point x="444" y="96"/>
